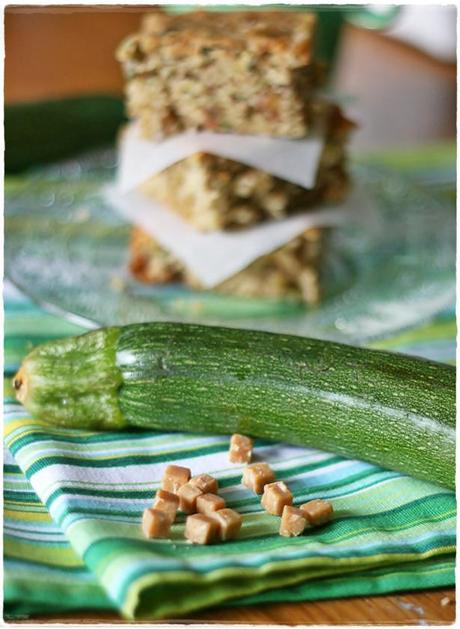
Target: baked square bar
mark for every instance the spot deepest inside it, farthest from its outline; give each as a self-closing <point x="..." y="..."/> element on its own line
<point x="239" y="71"/>
<point x="292" y="271"/>
<point x="215" y="193"/>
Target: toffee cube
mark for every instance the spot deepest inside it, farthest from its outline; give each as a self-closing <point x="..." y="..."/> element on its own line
<point x="201" y="529"/>
<point x="276" y="496"/>
<point x="293" y="522"/>
<point x="256" y="476"/>
<point x="155" y="523"/>
<point x="229" y="523"/>
<point x="167" y="502"/>
<point x="188" y="495"/>
<point x="240" y="449"/>
<point x="208" y="484"/>
<point x="174" y="477"/>
<point x="317" y="511"/>
<point x="206" y="503"/>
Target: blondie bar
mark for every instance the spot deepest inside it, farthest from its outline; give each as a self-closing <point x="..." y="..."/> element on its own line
<point x="240" y="71"/>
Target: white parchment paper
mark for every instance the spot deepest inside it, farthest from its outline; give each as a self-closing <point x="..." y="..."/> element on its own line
<point x="294" y="160"/>
<point x="214" y="257"/>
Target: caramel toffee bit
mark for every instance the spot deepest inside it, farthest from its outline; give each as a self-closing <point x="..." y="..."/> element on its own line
<point x="240" y="449"/>
<point x="188" y="495"/>
<point x="174" y="477"/>
<point x="155" y="523"/>
<point x="276" y="496"/>
<point x="229" y="522"/>
<point x="256" y="476"/>
<point x="167" y="502"/>
<point x="293" y="522"/>
<point x="201" y="529"/>
<point x="206" y="483"/>
<point x="206" y="503"/>
<point x="317" y="511"/>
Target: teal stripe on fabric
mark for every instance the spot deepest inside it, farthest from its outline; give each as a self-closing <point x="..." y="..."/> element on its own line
<point x="115" y="462"/>
<point x="42" y="566"/>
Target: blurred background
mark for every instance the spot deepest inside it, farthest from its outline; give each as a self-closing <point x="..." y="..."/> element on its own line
<point x="395" y="67"/>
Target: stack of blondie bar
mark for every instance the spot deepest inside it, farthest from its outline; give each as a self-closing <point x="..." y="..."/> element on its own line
<point x="246" y="73"/>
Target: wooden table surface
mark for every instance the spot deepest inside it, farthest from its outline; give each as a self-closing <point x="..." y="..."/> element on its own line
<point x="45" y="58"/>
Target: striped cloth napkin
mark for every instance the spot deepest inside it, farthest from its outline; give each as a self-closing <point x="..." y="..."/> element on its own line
<point x="74" y="500"/>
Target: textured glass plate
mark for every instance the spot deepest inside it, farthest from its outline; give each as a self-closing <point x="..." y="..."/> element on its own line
<point x="391" y="266"/>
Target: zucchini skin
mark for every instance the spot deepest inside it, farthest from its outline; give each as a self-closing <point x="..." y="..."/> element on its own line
<point x="392" y="410"/>
<point x="73" y="382"/>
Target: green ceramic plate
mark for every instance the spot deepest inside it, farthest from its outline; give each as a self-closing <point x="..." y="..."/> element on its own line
<point x="391" y="266"/>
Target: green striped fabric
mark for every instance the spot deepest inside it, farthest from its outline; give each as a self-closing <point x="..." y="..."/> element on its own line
<point x="74" y="499"/>
<point x="57" y="574"/>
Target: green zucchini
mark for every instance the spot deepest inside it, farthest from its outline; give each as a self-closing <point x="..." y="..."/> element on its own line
<point x="392" y="410"/>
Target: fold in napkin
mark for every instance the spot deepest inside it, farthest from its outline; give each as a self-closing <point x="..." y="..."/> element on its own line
<point x="72" y="525"/>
